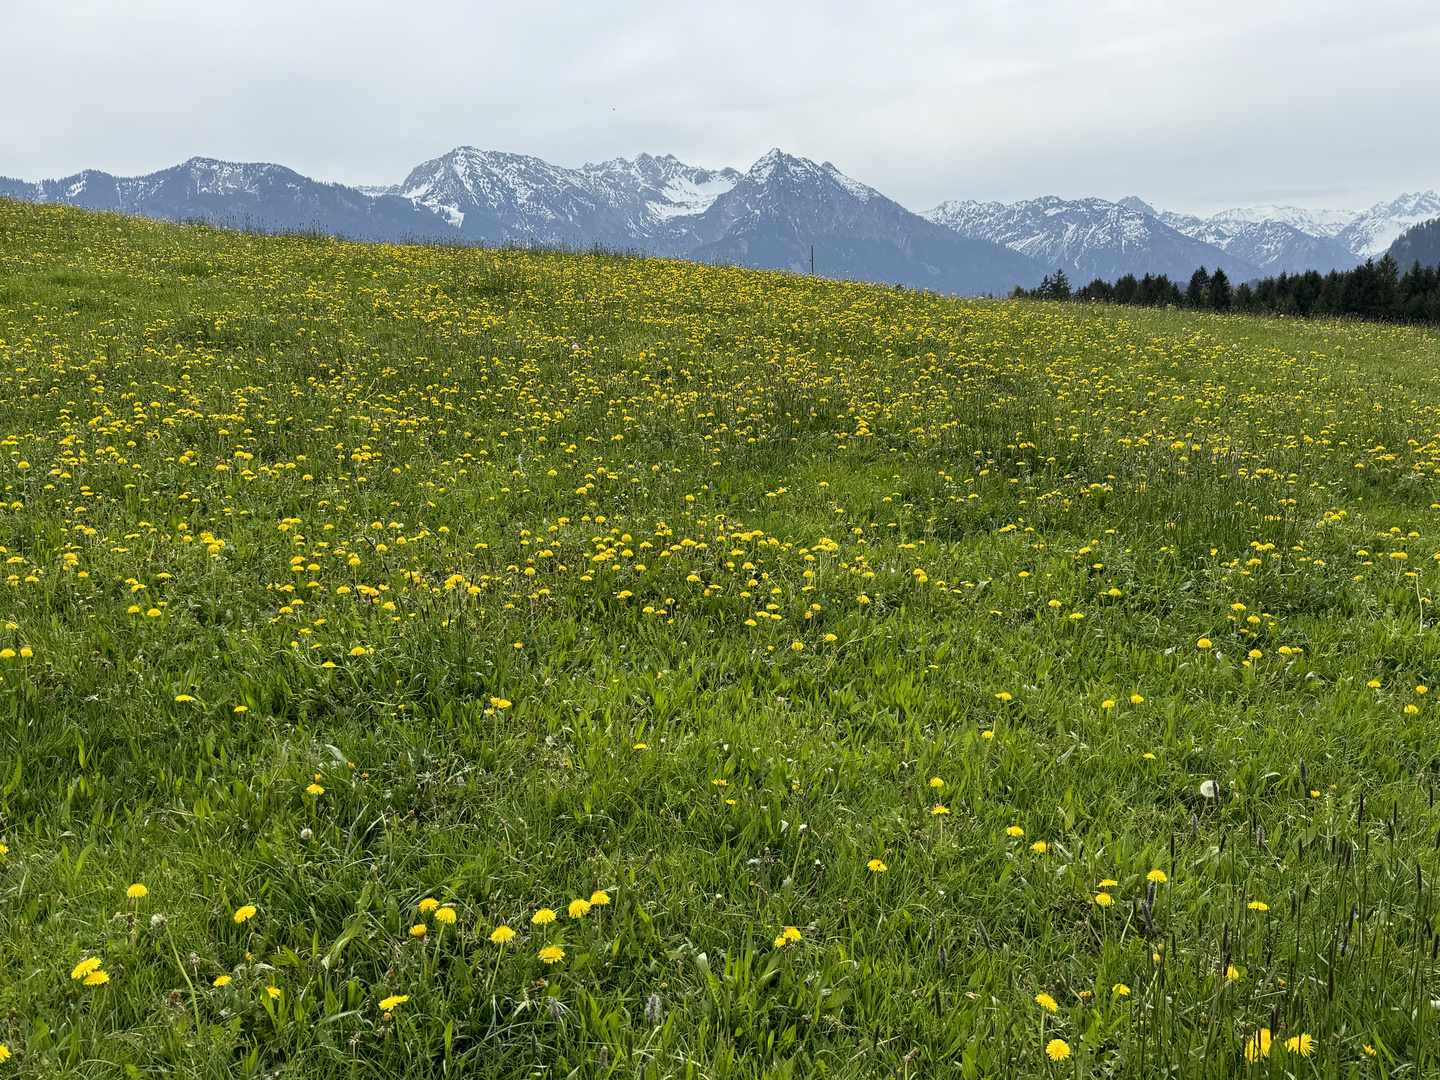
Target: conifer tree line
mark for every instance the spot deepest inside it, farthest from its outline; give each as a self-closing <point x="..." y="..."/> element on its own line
<point x="1376" y="290"/>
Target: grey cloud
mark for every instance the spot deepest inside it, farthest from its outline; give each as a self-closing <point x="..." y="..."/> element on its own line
<point x="1195" y="107"/>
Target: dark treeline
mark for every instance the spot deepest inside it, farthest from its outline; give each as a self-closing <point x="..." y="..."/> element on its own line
<point x="1376" y="290"/>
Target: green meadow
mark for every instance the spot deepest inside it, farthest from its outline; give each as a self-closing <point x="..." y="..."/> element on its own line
<point x="433" y="662"/>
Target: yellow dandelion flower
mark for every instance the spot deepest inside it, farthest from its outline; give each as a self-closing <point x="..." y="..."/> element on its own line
<point x="543" y="916"/>
<point x="1258" y="905"/>
<point x="445" y="916"/>
<point x="137" y="892"/>
<point x="936" y="782"/>
<point x="501" y="934"/>
<point x="1120" y="990"/>
<point x="85" y="967"/>
<point x="599" y="898"/>
<point x="221" y="981"/>
<point x="1057" y="1050"/>
<point x="1104" y="899"/>
<point x="1047" y="1002"/>
<point x="393" y="1002"/>
<point x="1039" y="847"/>
<point x="939" y="810"/>
<point x="96" y="978"/>
<point x="428" y="905"/>
<point x="314" y="789"/>
<point x="1300" y="1044"/>
<point x="1258" y="1046"/>
<point x="578" y="909"/>
<point x="1015" y="830"/>
<point x="247" y="911"/>
<point x="1157" y="876"/>
<point x="552" y="954"/>
<point x="875" y="866"/>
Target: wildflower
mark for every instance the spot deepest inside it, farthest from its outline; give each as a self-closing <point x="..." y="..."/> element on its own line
<point x="578" y="908"/>
<point x="936" y="782"/>
<point x="1369" y="1050"/>
<point x="96" y="978"/>
<point x="875" y="866"/>
<point x="939" y="810"/>
<point x="1003" y="696"/>
<point x="552" y="954"/>
<point x="830" y="639"/>
<point x="1039" y="847"/>
<point x="1057" y="1049"/>
<point x="273" y="991"/>
<point x="419" y="930"/>
<point x="720" y="783"/>
<point x="987" y="734"/>
<point x="791" y="934"/>
<point x="501" y="934"/>
<point x="797" y="646"/>
<point x="1411" y="709"/>
<point x="428" y="905"/>
<point x="85" y="967"/>
<point x="599" y="898"/>
<point x="242" y="708"/>
<point x="1104" y="899"/>
<point x="358" y="650"/>
<point x="1258" y="905"/>
<point x="394" y="1001"/>
<point x="183" y="697"/>
<point x="1258" y="1047"/>
<point x="1015" y="830"/>
<point x="1136" y="699"/>
<point x="137" y="892"/>
<point x="221" y="981"/>
<point x="4" y="1053"/>
<point x="1157" y="876"/>
<point x="1232" y="973"/>
<point x="1107" y="704"/>
<point x="445" y="916"/>
<point x="1301" y="1044"/>
<point x="314" y="789"/>
<point x="1203" y="643"/>
<point x="245" y="912"/>
<point x="1109" y="883"/>
<point x="1047" y="1002"/>
<point x="543" y="916"/>
<point x="1120" y="990"/>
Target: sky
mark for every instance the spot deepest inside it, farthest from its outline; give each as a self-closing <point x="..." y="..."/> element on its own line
<point x="1195" y="107"/>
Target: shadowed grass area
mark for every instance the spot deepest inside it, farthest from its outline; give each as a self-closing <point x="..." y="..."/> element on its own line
<point x="869" y="682"/>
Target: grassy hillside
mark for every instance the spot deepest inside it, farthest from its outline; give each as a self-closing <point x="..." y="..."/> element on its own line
<point x="870" y="683"/>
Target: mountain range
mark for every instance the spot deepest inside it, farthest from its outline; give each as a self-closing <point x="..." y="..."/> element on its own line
<point x="770" y="216"/>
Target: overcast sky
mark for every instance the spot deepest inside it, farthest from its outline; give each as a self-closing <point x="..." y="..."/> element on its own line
<point x="1193" y="106"/>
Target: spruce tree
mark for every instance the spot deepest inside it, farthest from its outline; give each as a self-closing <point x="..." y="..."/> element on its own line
<point x="1195" y="293"/>
<point x="1220" y="293"/>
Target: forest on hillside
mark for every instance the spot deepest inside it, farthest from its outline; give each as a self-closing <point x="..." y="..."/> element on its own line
<point x="1376" y="290"/>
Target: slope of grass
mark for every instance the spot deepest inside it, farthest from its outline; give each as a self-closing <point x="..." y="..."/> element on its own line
<point x="869" y="682"/>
